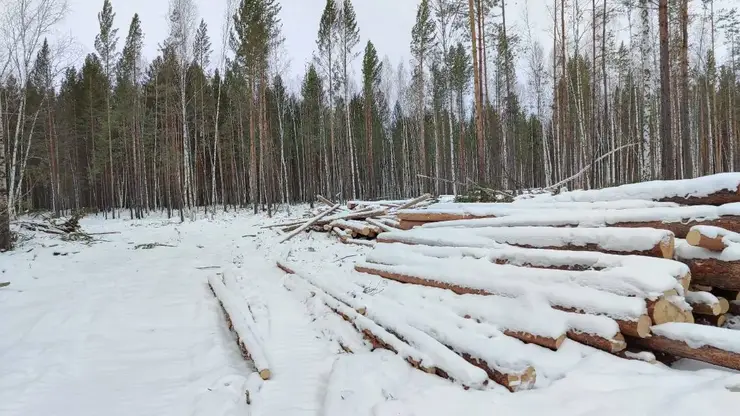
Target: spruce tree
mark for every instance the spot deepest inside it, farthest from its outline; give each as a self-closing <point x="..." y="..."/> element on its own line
<point x="349" y="38"/>
<point x="327" y="62"/>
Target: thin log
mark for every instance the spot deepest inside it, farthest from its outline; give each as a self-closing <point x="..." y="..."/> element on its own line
<point x="325" y="201"/>
<point x="414" y="201"/>
<point x="697" y="239"/>
<point x="704" y="303"/>
<point x="678" y="347"/>
<point x="311" y="222"/>
<point x="381" y="226"/>
<point x="430" y="216"/>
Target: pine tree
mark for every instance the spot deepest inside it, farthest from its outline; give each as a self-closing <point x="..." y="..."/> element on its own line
<point x="422" y="43"/>
<point x="327" y="62"/>
<point x="371" y="72"/>
<point x="105" y="44"/>
<point x="349" y="38"/>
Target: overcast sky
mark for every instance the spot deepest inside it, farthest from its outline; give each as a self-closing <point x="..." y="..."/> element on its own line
<point x="386" y="22"/>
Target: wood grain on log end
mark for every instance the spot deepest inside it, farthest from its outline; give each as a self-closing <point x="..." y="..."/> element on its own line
<point x="724" y="305"/>
<point x="613" y="345"/>
<point x="265" y="374"/>
<point x="662" y="311"/>
<point x="706" y="309"/>
<point x="667" y="247"/>
<point x="639" y="328"/>
<point x="685" y="281"/>
<point x="547" y="342"/>
<point x="697" y="239"/>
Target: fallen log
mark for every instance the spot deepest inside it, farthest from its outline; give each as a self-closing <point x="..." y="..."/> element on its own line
<point x="566" y="298"/>
<point x="709" y="320"/>
<point x="382" y="227"/>
<point x="358" y="227"/>
<point x="325" y="201"/>
<point x="414" y="201"/>
<point x="309" y="223"/>
<point x="246" y="336"/>
<point x="354" y="215"/>
<point x="611" y="345"/>
<point x="718" y="346"/>
<point x="408" y="225"/>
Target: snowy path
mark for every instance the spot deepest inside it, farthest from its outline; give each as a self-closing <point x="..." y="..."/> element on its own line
<point x="300" y="360"/>
<point x="116" y="331"/>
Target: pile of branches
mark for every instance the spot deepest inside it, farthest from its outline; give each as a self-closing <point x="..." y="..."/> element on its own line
<point x="68" y="229"/>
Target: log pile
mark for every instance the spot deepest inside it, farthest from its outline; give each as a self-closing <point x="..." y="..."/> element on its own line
<point x="641" y="280"/>
<point x="359" y="222"/>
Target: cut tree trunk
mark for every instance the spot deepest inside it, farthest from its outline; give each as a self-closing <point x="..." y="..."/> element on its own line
<point x="725" y="196"/>
<point x="310" y="222"/>
<point x="612" y="345"/>
<point x="697" y="239"/>
<point x="715" y="273"/>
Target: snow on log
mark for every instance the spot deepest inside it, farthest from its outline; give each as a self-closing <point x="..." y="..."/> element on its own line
<point x="414" y="201"/>
<point x="355" y="226"/>
<point x="309" y="223"/>
<point x="637" y="241"/>
<point x="247" y="338"/>
<point x="382" y="227"/>
<point x="636" y="355"/>
<point x="619" y="280"/>
<point x="374" y="333"/>
<point x="709" y="320"/>
<point x="500" y="356"/>
<point x="596" y="331"/>
<point x="718" y="270"/>
<point x="355" y="241"/>
<point x="447" y="362"/>
<point x="382" y="203"/>
<point x="630" y="312"/>
<point x="712" y="238"/>
<point x="354" y="215"/>
<point x="679" y="220"/>
<point x="716" y="189"/>
<point x="532" y="323"/>
<point x="545" y="258"/>
<point x="704" y="303"/>
<point x="460" y="211"/>
<point x="718" y="346"/>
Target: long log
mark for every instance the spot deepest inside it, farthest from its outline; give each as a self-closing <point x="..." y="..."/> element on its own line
<point x="408" y="225"/>
<point x="414" y="201"/>
<point x="674" y="343"/>
<point x="309" y="223"/>
<point x="247" y="339"/>
<point x="721" y="197"/>
<point x="612" y="345"/>
<point x="382" y="227"/>
<point x="640" y="327"/>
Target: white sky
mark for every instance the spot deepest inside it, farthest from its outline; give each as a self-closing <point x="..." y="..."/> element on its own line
<point x="386" y="22"/>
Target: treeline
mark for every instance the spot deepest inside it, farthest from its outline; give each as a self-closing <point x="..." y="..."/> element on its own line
<point x="188" y="130"/>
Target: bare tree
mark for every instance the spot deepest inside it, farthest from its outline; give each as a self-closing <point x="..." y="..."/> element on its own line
<point x="182" y="22"/>
<point x="25" y="24"/>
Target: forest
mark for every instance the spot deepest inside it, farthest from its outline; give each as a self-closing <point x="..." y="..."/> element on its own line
<point x="627" y="91"/>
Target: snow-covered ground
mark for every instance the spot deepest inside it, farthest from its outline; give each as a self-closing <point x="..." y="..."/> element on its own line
<point x="112" y="329"/>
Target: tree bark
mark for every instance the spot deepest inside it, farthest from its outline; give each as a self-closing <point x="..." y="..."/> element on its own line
<point x="666" y="136"/>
